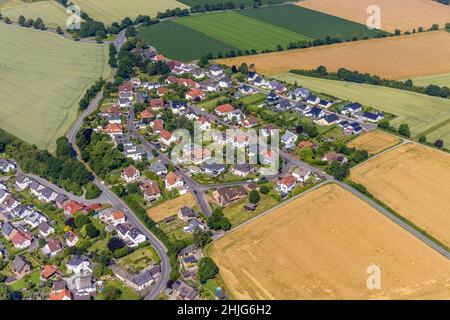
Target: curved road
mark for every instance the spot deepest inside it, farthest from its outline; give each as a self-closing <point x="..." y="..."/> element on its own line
<point x="115" y="200"/>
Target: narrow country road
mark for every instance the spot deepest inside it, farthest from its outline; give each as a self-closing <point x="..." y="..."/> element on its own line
<point x="114" y="200"/>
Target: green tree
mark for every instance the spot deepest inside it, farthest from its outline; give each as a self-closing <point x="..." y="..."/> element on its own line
<point x="254" y="196"/>
<point x="264" y="189"/>
<point x="403" y="130"/>
<point x="92" y="191"/>
<point x="111" y="293"/>
<point x="92" y="231"/>
<point x="207" y="269"/>
<point x="201" y="238"/>
<point x="338" y="170"/>
<point x="5" y="292"/>
<point x="81" y="220"/>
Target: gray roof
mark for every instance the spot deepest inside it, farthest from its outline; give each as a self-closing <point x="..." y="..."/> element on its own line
<point x="19" y="263"/>
<point x="44" y="227"/>
<point x="157" y="167"/>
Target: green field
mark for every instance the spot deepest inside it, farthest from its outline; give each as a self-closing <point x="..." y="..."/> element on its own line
<point x="126" y="293"/>
<point x="255" y="98"/>
<point x="420" y="111"/>
<point x="240" y="31"/>
<point x="179" y="42"/>
<point x="308" y="22"/>
<point x="438" y="79"/>
<point x="109" y="11"/>
<point x="43" y="78"/>
<point x="247" y="3"/>
<point x="51" y="12"/>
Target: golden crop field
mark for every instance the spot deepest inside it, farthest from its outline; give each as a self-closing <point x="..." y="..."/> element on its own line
<point x="413" y="180"/>
<point x="392" y="58"/>
<point x="320" y="245"/>
<point x="374" y="141"/>
<point x="171" y="207"/>
<point x="403" y="15"/>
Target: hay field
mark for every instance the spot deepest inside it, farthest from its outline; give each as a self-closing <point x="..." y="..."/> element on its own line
<point x="241" y="31"/>
<point x="420" y="111"/>
<point x="51" y="12"/>
<point x="415" y="182"/>
<point x="109" y="11"/>
<point x="10" y="3"/>
<point x="374" y="141"/>
<point x="392" y="58"/>
<point x="403" y="15"/>
<point x="436" y="79"/>
<point x="171" y="207"/>
<point x="43" y="78"/>
<point x="320" y="245"/>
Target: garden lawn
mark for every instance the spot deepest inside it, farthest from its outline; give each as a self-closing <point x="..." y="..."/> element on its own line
<point x="254" y="98"/>
<point x="43" y="78"/>
<point x="33" y="277"/>
<point x="240" y="31"/>
<point x="177" y="41"/>
<point x="126" y="292"/>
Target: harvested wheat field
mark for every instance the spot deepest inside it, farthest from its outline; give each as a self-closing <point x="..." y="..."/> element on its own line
<point x="393" y="58"/>
<point x="171" y="207"/>
<point x="374" y="141"/>
<point x="404" y="15"/>
<point x="320" y="245"/>
<point x="415" y="182"/>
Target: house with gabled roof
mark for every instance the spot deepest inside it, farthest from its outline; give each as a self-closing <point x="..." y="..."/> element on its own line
<point x="286" y="184"/>
<point x="130" y="174"/>
<point x="173" y="181"/>
<point x="20" y="266"/>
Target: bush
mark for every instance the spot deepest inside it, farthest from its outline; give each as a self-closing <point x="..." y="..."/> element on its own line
<point x="115" y="243"/>
<point x="264" y="189"/>
<point x="439" y="144"/>
<point x="207" y="269"/>
<point x="92" y="231"/>
<point x="254" y="196"/>
<point x="92" y="191"/>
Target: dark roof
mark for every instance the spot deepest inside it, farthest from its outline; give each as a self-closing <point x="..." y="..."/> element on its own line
<point x="331" y="118"/>
<point x="187" y="212"/>
<point x="353" y="106"/>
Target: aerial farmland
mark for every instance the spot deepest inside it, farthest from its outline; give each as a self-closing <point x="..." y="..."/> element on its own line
<point x="374" y="142"/>
<point x="319" y="247"/>
<point x="55" y="73"/>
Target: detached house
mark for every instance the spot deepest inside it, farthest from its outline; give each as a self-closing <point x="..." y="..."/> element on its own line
<point x="331" y="157"/>
<point x="151" y="190"/>
<point x="130" y="174"/>
<point x="72" y="207"/>
<point x="22" y="181"/>
<point x="301" y="174"/>
<point x="352" y="108"/>
<point x="227" y="195"/>
<point x="216" y="70"/>
<point x="286" y="184"/>
<point x="372" y="117"/>
<point x="313" y="100"/>
<point x="130" y="235"/>
<point x="71" y="238"/>
<point x="20" y="267"/>
<point x="45" y="229"/>
<point x="204" y="123"/>
<point x="195" y="95"/>
<point x="328" y="120"/>
<point x="173" y="181"/>
<point x="289" y="139"/>
<point x="224" y="109"/>
<point x="52" y="248"/>
<point x="166" y="138"/>
<point x="6" y="166"/>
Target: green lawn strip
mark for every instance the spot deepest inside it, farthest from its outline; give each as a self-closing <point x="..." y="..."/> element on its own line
<point x="254" y="98"/>
<point x="210" y="105"/>
<point x="23" y="283"/>
<point x="435" y="127"/>
<point x="126" y="292"/>
<point x="357" y="186"/>
<point x="240" y="31"/>
<point x="313" y="24"/>
<point x="177" y="41"/>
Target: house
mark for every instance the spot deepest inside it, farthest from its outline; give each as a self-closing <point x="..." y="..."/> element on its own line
<point x="20" y="266"/>
<point x="301" y="174"/>
<point x="59" y="292"/>
<point x="227" y="195"/>
<point x="146" y="116"/>
<point x="151" y="190"/>
<point x="8" y="230"/>
<point x="195" y="95"/>
<point x="246" y="89"/>
<point x="251" y="76"/>
<point x="198" y="74"/>
<point x="183" y="291"/>
<point x="22" y="212"/>
<point x="189" y="83"/>
<point x="301" y="93"/>
<point x="235" y="116"/>
<point x="268" y="157"/>
<point x="200" y="155"/>
<point x="114" y="118"/>
<point x="210" y="85"/>
<point x="352" y="128"/>
<point x="241" y="170"/>
<point x="136" y="82"/>
<point x="22" y="181"/>
<point x="331" y="157"/>
<point x="268" y="130"/>
<point x="225" y="82"/>
<point x="325" y="104"/>
<point x="173" y="181"/>
<point x="79" y="265"/>
<point x="241" y="141"/>
<point x="47" y="195"/>
<point x="60" y="199"/>
<point x="158" y="167"/>
<point x="71" y="238"/>
<point x="156" y="104"/>
<point x="186" y="213"/>
<point x="130" y="174"/>
<point x="117" y="217"/>
<point x="289" y="139"/>
<point x="72" y="207"/>
<point x="178" y="107"/>
<point x="162" y="91"/>
<point x="315" y="112"/>
<point x="193" y="225"/>
<point x="166" y="138"/>
<point x="82" y="286"/>
<point x="190" y="114"/>
<point x="328" y="120"/>
<point x="216" y="70"/>
<point x="157" y="126"/>
<point x="260" y="82"/>
<point x="21" y="240"/>
<point x="113" y="129"/>
<point x="52" y="248"/>
<point x="214" y="169"/>
<point x="124" y="102"/>
<point x="313" y="100"/>
<point x="224" y="109"/>
<point x="352" y="108"/>
<point x="138" y="282"/>
<point x="372" y="117"/>
<point x="6" y="166"/>
<point x="204" y="123"/>
<point x="286" y="184"/>
<point x="302" y="108"/>
<point x="34" y="219"/>
<point x="45" y="229"/>
<point x="306" y="144"/>
<point x="250" y="122"/>
<point x="48" y="271"/>
<point x="151" y="85"/>
<point x="130" y="235"/>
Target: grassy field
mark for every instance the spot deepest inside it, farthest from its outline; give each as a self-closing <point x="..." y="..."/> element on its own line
<point x="109" y="11"/>
<point x="176" y="41"/>
<point x="420" y="111"/>
<point x="254" y="98"/>
<point x="392" y="58"/>
<point x="441" y="133"/>
<point x="308" y="22"/>
<point x="126" y="292"/>
<point x="51" y="12"/>
<point x="413" y="180"/>
<point x="403" y="15"/>
<point x="10" y="3"/>
<point x="320" y="245"/>
<point x="437" y="79"/>
<point x="138" y="260"/>
<point x="374" y="141"/>
<point x="171" y="207"/>
<point x="240" y="31"/>
<point x="248" y="3"/>
<point x="43" y="78"/>
<point x="210" y="105"/>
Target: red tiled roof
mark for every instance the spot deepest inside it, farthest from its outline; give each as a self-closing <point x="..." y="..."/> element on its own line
<point x="72" y="206"/>
<point x="128" y="87"/>
<point x="158" y="125"/>
<point x="156" y="103"/>
<point x="172" y="178"/>
<point x="224" y="108"/>
<point x="130" y="171"/>
<point x="60" y="295"/>
<point x="305" y="144"/>
<point x="287" y="180"/>
<point x="166" y="135"/>
<point x="118" y="215"/>
<point x="94" y="207"/>
<point x="114" y="128"/>
<point x="146" y="114"/>
<point x="195" y="93"/>
<point x="48" y="271"/>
